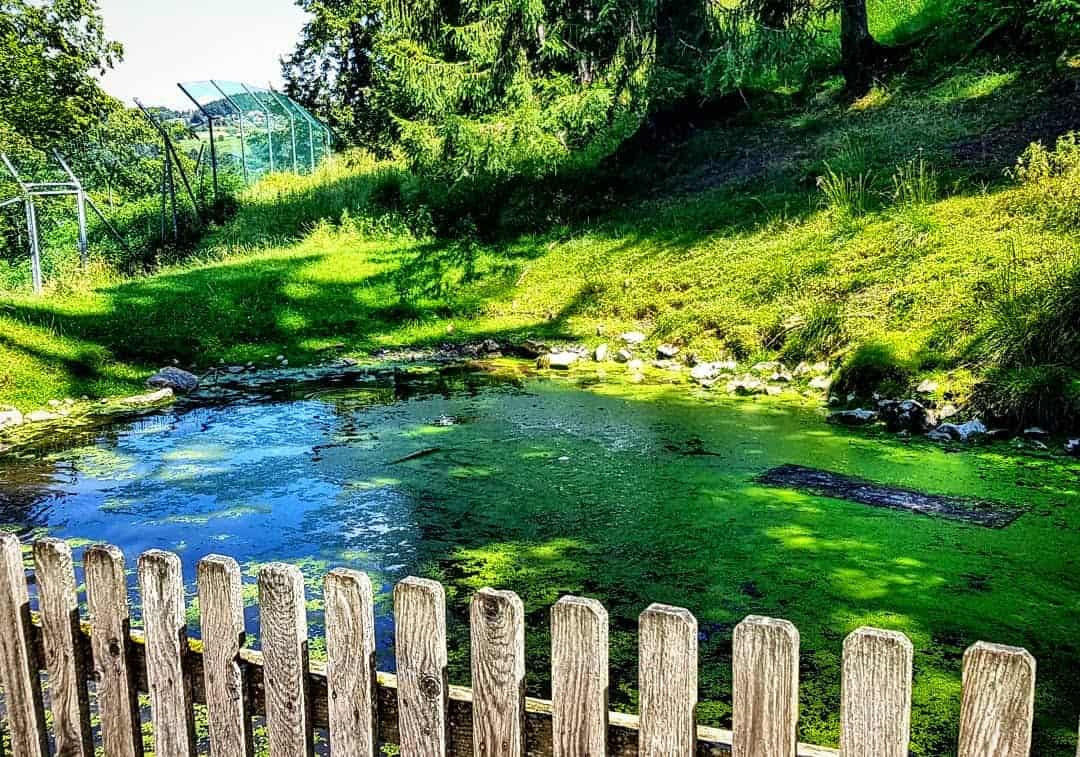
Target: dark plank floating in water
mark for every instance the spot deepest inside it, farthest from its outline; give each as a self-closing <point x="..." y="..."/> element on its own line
<point x="827" y="484"/>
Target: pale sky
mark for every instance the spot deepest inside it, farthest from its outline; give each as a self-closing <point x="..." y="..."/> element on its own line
<point x="188" y="40"/>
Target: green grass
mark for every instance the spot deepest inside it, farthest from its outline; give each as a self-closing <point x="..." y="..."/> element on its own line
<point x="736" y="251"/>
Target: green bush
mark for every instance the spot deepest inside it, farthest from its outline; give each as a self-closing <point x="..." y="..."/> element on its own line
<point x="1032" y="340"/>
<point x="877" y="365"/>
<point x="1047" y="396"/>
<point x="1060" y="17"/>
<point x="1049" y="181"/>
<point x="1034" y="316"/>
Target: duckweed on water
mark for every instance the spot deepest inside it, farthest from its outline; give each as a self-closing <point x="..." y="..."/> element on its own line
<point x="631" y="493"/>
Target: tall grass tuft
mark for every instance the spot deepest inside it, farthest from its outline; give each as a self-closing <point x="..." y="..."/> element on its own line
<point x="848" y="195"/>
<point x="915" y="183"/>
<point x="1034" y="318"/>
<point x="819" y="334"/>
<point x="1033" y="338"/>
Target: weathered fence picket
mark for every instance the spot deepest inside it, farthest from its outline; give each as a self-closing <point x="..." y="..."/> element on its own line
<point x="69" y="698"/>
<point x="161" y="585"/>
<point x="579" y="677"/>
<point x="22" y="690"/>
<point x="667" y="681"/>
<point x="110" y="640"/>
<point x="998" y="701"/>
<point x="765" y="707"/>
<point x="875" y="698"/>
<point x="350" y="663"/>
<point x="497" y="622"/>
<point x="283" y="614"/>
<point x="420" y="644"/>
<point x="418" y="708"/>
<point x="221" y="609"/>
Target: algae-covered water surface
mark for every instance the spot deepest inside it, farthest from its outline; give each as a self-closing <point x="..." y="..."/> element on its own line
<point x="631" y="493"/>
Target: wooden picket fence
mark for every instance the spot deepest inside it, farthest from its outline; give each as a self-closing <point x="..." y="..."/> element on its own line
<point x="418" y="708"/>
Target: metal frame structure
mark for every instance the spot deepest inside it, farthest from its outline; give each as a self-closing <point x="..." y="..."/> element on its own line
<point x="71" y="188"/>
<point x="240" y="115"/>
<point x="269" y="125"/>
<point x="210" y="127"/>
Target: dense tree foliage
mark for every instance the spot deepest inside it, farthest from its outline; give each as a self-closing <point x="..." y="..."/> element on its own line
<point x="49" y="53"/>
<point x="512" y="87"/>
<point x="331" y="70"/>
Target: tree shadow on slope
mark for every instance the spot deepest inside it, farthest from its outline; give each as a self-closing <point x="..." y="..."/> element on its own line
<point x="972" y="123"/>
<point x="249" y="308"/>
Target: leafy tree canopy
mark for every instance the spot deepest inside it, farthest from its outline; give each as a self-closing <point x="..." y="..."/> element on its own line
<point x="49" y="53"/>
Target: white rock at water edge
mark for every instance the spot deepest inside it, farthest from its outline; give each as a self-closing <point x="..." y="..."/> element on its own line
<point x="600" y="353"/>
<point x="747" y="386"/>
<point x="1072" y="447"/>
<point x="624" y="356"/>
<point x="859" y="417"/>
<point x="633" y="337"/>
<point x="40" y="416"/>
<point x="557" y="360"/>
<point x="667" y="351"/>
<point x="703" y="372"/>
<point x="963" y="432"/>
<point x="149" y="399"/>
<point x="10" y="417"/>
<point x="769" y="366"/>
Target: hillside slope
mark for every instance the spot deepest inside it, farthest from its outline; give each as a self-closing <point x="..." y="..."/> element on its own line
<point x="884" y="235"/>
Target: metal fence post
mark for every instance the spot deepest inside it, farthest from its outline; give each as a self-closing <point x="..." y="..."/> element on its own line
<point x="210" y="127"/>
<point x="35" y="247"/>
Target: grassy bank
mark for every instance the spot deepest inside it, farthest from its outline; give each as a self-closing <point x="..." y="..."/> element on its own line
<point x="884" y="234"/>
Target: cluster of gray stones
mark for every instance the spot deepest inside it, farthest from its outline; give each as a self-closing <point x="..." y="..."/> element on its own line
<point x="765" y="378"/>
<point x="914" y="417"/>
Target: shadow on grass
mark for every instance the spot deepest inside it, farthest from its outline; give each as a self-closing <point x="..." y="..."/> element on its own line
<point x="296" y="304"/>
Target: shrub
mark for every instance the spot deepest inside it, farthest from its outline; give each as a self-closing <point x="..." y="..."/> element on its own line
<point x="1060" y="17"/>
<point x="1050" y="183"/>
<point x="1048" y="396"/>
<point x="1033" y="336"/>
<point x="1034" y="317"/>
<point x="877" y="365"/>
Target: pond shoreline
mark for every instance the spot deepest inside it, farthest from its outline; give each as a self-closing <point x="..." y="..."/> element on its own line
<point x="525" y="360"/>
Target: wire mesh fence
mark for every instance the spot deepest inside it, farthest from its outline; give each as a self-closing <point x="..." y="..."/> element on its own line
<point x="153" y="178"/>
<point x="253" y="130"/>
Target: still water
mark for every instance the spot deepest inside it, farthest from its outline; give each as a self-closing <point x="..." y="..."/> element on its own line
<point x="631" y="493"/>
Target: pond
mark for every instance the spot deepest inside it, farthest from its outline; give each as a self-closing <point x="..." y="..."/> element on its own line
<point x="630" y="493"/>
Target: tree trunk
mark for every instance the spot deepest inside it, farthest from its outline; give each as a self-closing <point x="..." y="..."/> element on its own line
<point x="858" y="49"/>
